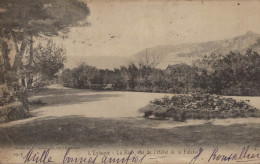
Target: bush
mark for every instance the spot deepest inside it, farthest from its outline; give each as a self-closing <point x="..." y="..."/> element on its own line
<point x="7" y="95"/>
<point x="14" y="93"/>
<point x="198" y="106"/>
<point x="13" y="111"/>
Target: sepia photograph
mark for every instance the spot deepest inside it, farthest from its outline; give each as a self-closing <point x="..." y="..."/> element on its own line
<point x="129" y="81"/>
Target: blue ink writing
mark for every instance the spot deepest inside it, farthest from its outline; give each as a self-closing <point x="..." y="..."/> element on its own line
<point x="130" y="158"/>
<point x="197" y="156"/>
<point x="37" y="157"/>
<point x="68" y="159"/>
<point x="244" y="156"/>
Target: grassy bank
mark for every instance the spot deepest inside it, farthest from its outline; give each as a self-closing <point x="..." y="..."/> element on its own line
<point x="97" y="132"/>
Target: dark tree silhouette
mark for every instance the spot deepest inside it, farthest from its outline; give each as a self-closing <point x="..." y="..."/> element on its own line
<point x="20" y="20"/>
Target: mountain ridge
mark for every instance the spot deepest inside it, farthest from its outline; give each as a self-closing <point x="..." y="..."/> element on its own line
<point x="163" y="55"/>
<point x="186" y="53"/>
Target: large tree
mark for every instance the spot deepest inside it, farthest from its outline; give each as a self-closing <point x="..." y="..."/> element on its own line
<point x="47" y="61"/>
<point x="21" y="20"/>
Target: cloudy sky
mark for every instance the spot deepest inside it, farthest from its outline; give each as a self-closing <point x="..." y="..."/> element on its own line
<point x="124" y="28"/>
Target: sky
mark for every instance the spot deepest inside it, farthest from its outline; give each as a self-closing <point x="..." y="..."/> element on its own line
<point x="123" y="28"/>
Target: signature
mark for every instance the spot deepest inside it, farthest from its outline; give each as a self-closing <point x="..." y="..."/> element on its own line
<point x="244" y="156"/>
<point x="44" y="157"/>
<point x="68" y="159"/>
<point x="36" y="157"/>
<point x="130" y="158"/>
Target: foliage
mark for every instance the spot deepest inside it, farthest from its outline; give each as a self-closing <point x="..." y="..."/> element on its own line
<point x="15" y="93"/>
<point x="198" y="106"/>
<point x="7" y="95"/>
<point x="233" y="74"/>
<point x="83" y="76"/>
<point x="49" y="59"/>
<point x="21" y="20"/>
<point x="46" y="17"/>
<point x="13" y="111"/>
<point x="44" y="65"/>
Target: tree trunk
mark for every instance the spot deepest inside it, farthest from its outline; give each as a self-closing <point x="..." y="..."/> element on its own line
<point x="5" y="52"/>
<point x="23" y="81"/>
<point x="11" y="71"/>
<point x="29" y="83"/>
<point x="31" y="50"/>
<point x="29" y="75"/>
<point x="19" y="56"/>
<point x="17" y="65"/>
<point x="8" y="74"/>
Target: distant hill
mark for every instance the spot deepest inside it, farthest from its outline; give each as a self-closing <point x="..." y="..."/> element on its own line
<point x="186" y="53"/>
<point x="101" y="62"/>
<point x="165" y="55"/>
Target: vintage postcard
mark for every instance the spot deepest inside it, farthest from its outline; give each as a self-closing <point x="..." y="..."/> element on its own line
<point x="129" y="81"/>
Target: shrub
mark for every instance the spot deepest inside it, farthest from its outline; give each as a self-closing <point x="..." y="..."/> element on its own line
<point x="198" y="106"/>
<point x="13" y="111"/>
<point x="7" y="95"/>
<point x="148" y="109"/>
<point x="178" y="114"/>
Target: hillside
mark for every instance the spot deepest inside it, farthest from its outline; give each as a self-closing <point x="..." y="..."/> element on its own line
<point x="186" y="53"/>
<point x="101" y="62"/>
<point x="165" y="55"/>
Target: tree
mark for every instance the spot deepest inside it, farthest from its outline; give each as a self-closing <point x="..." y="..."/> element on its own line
<point x="21" y="20"/>
<point x="231" y="74"/>
<point x="181" y="78"/>
<point x="66" y="78"/>
<point x="149" y="59"/>
<point x="46" y="62"/>
<point x="83" y="76"/>
<point x="133" y="73"/>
